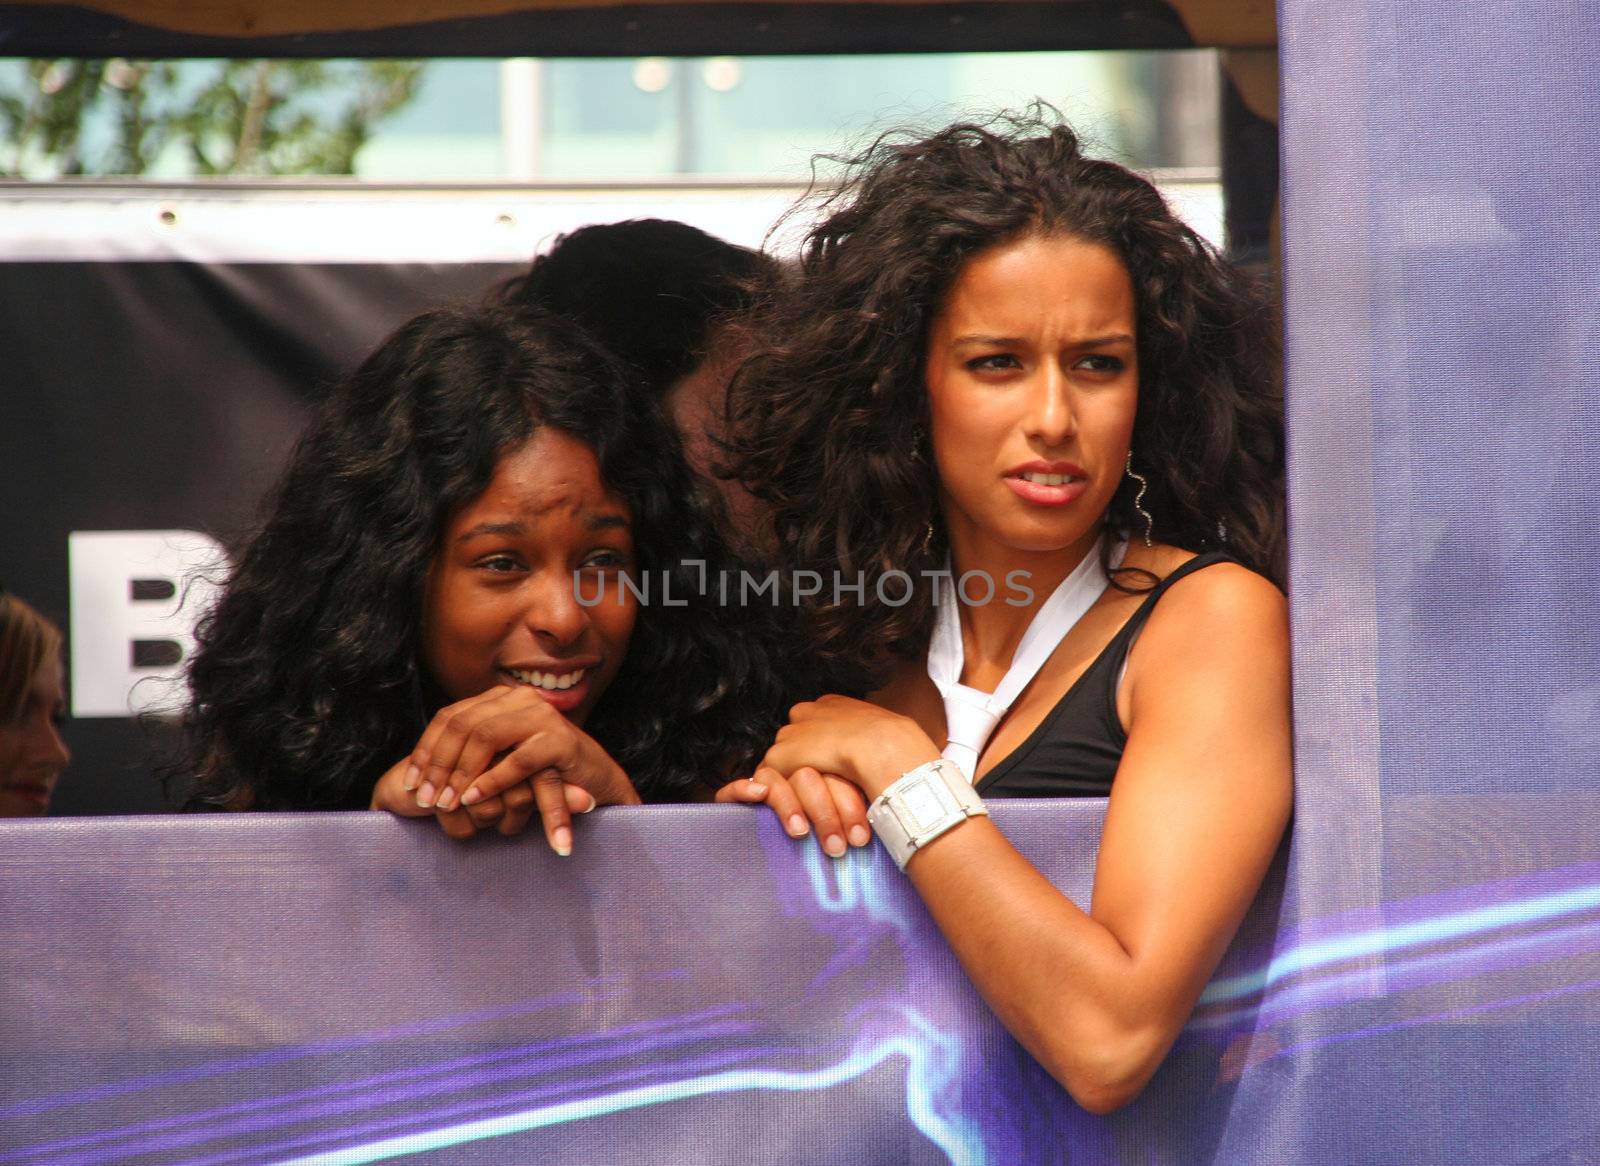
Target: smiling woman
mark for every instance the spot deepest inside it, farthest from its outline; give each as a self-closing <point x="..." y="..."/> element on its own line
<point x="506" y="599"/>
<point x="506" y="636"/>
<point x="440" y="592"/>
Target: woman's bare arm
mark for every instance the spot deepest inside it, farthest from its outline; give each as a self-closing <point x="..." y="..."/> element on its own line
<point x="1200" y="802"/>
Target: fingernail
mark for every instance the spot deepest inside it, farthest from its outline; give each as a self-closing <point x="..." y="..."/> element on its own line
<point x="412" y="778"/>
<point x="561" y="842"/>
<point x="447" y="798"/>
<point x="798" y="826"/>
<point x="472" y="796"/>
<point x="425" y="795"/>
<point x="756" y="787"/>
<point x="860" y="835"/>
<point x="834" y="845"/>
<point x="593" y="802"/>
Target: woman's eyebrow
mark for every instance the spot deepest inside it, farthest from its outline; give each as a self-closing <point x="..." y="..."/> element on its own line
<point x="978" y="338"/>
<point x="500" y="529"/>
<point x="517" y="529"/>
<point x="1009" y="341"/>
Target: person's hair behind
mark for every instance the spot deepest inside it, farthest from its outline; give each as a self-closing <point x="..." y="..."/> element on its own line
<point x="27" y="640"/>
<point x="307" y="680"/>
<point x="831" y="412"/>
<point x="653" y="291"/>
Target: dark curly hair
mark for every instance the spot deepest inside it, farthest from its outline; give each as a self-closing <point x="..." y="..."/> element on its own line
<point x="830" y="416"/>
<point x="307" y="679"/>
<point x="653" y="291"/>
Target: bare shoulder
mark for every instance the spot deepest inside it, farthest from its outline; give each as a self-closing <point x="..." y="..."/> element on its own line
<point x="1223" y="594"/>
<point x="1210" y="600"/>
<point x="1208" y="689"/>
<point x="1224" y="617"/>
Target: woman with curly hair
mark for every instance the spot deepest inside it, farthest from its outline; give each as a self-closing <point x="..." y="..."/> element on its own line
<point x="449" y="584"/>
<point x="1030" y="419"/>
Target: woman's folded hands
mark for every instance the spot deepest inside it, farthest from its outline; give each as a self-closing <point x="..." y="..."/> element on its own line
<point x="496" y="760"/>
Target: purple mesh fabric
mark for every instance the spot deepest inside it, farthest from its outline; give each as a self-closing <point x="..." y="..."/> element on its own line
<point x="691" y="986"/>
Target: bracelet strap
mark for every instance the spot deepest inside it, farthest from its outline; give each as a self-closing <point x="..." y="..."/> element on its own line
<point x="921" y="805"/>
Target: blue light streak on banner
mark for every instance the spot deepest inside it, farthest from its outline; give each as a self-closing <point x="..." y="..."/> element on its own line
<point x="200" y="1008"/>
<point x="200" y="1005"/>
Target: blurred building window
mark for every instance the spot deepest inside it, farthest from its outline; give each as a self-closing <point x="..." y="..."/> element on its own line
<point x="635" y="119"/>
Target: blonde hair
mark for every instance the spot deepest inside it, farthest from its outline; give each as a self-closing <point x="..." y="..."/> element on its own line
<point x="27" y="640"/>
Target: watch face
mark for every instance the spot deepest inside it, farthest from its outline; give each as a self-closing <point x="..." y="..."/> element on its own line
<point x="922" y="804"/>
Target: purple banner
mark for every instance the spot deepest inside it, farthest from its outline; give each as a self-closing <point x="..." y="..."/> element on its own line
<point x="691" y="986"/>
<point x="694" y="986"/>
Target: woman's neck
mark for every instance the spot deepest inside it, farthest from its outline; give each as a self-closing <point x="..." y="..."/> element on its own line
<point x="1023" y="580"/>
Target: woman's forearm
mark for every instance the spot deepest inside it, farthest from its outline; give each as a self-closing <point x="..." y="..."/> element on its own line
<point x="1060" y="981"/>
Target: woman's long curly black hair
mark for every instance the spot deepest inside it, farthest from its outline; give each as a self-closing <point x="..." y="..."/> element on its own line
<point x="831" y="414"/>
<point x="308" y="681"/>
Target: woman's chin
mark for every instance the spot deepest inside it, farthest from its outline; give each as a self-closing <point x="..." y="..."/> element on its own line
<point x="25" y="800"/>
<point x="1039" y="539"/>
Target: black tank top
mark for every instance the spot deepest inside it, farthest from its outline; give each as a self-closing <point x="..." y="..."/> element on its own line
<point x="1075" y="751"/>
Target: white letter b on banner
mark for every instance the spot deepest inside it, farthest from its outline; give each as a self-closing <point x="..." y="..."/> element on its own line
<point x="136" y="597"/>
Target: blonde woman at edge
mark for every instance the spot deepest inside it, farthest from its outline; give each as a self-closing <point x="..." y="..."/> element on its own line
<point x="33" y="707"/>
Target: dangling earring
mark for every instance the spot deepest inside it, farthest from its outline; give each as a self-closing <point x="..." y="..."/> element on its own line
<point x="919" y="438"/>
<point x="1138" y="501"/>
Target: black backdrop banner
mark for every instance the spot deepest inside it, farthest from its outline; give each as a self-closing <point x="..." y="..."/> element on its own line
<point x="161" y="347"/>
<point x="157" y="397"/>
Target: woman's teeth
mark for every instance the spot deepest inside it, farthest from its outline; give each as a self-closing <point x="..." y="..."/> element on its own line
<point x="549" y="680"/>
<point x="1048" y="479"/>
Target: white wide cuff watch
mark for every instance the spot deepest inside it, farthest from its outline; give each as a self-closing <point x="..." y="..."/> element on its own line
<point x="920" y="806"/>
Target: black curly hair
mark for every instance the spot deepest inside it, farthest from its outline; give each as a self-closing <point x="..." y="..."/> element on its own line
<point x="307" y="681"/>
<point x="653" y="291"/>
<point x="830" y="415"/>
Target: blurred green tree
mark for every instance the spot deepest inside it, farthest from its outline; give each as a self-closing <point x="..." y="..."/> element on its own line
<point x="70" y="118"/>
